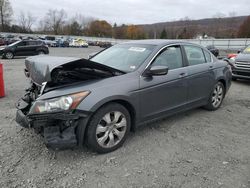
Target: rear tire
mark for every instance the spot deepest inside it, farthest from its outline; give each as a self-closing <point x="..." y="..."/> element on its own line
<point x="108" y="128"/>
<point x="216" y="97"/>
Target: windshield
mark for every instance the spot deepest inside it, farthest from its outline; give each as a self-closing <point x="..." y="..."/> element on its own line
<point x="124" y="57"/>
<point x="13" y="44"/>
<point x="246" y="50"/>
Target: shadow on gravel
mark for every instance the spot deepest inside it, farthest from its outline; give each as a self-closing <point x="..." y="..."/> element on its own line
<point x="243" y="82"/>
<point x="163" y="125"/>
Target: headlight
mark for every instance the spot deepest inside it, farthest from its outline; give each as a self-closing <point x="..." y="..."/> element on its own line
<point x="58" y="104"/>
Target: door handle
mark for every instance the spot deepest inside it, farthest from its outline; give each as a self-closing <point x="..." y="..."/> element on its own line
<point x="182" y="74"/>
<point x="211" y="67"/>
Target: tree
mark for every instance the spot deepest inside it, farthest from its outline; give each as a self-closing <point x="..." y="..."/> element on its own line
<point x="244" y="30"/>
<point x="5" y="13"/>
<point x="75" y="28"/>
<point x="135" y="32"/>
<point x="100" y="28"/>
<point x="163" y="34"/>
<point x="54" y="20"/>
<point x="26" y="21"/>
<point x="83" y="21"/>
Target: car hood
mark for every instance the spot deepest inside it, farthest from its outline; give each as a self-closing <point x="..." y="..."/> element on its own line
<point x="243" y="57"/>
<point x="3" y="47"/>
<point x="65" y="70"/>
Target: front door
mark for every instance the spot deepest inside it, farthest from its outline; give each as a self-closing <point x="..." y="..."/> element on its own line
<point x="167" y="93"/>
<point x="22" y="49"/>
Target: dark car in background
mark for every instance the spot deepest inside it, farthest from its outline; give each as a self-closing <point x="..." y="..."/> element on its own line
<point x="105" y="44"/>
<point x="97" y="102"/>
<point x="62" y="43"/>
<point x="24" y="48"/>
<point x="215" y="51"/>
<point x="241" y="64"/>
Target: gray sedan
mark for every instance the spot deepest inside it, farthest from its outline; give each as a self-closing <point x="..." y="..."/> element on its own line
<point x="98" y="101"/>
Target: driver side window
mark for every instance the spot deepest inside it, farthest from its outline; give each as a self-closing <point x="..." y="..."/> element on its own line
<point x="170" y="57"/>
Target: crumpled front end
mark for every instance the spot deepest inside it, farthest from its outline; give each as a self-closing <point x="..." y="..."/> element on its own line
<point x="57" y="128"/>
<point x="56" y="117"/>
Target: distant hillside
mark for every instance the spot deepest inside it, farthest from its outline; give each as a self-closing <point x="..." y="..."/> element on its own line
<point x="214" y="27"/>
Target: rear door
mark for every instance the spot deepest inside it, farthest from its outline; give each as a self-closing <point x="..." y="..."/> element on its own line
<point x="31" y="47"/>
<point x="164" y="94"/>
<point x="200" y="74"/>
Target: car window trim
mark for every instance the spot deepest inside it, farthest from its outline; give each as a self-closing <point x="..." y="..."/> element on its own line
<point x="206" y="56"/>
<point x="159" y="51"/>
<point x="211" y="56"/>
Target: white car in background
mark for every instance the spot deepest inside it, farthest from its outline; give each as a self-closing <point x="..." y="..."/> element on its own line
<point x="78" y="43"/>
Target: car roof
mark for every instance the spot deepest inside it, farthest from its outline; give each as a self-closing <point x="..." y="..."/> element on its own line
<point x="158" y="42"/>
<point x="27" y="40"/>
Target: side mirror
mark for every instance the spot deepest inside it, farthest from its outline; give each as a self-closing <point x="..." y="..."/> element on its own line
<point x="239" y="51"/>
<point x="156" y="71"/>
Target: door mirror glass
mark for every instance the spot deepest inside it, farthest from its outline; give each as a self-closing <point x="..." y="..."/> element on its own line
<point x="157" y="71"/>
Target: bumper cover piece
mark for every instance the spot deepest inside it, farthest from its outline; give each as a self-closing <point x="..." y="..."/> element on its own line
<point x="21" y="119"/>
<point x="57" y="140"/>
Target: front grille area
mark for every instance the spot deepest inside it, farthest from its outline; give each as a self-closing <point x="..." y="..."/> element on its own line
<point x="242" y="65"/>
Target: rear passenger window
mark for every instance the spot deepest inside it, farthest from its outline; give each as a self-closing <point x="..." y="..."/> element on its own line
<point x="32" y="43"/>
<point x="170" y="57"/>
<point x="195" y="55"/>
<point x="208" y="56"/>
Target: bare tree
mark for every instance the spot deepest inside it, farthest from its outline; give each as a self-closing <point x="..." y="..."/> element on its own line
<point x="5" y="13"/>
<point x="232" y="14"/>
<point x="54" y="20"/>
<point x="84" y="21"/>
<point x="26" y="21"/>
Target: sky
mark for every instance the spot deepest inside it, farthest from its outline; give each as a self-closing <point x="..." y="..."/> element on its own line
<point x="134" y="11"/>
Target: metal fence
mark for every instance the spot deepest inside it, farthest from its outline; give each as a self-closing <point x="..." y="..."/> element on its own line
<point x="224" y="44"/>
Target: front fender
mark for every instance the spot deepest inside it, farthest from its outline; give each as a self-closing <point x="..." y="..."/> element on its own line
<point x="110" y="99"/>
<point x="91" y="105"/>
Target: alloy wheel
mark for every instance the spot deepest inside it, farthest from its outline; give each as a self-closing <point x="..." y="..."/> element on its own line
<point x="9" y="55"/>
<point x="217" y="97"/>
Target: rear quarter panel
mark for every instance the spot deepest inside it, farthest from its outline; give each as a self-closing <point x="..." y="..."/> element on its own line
<point x="223" y="72"/>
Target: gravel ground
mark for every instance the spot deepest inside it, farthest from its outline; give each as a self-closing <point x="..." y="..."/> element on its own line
<point x="193" y="149"/>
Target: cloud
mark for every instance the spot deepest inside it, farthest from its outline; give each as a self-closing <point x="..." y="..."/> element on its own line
<point x="134" y="11"/>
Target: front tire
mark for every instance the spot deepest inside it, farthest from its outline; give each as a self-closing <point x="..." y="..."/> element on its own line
<point x="108" y="128"/>
<point x="216" y="97"/>
<point x="9" y="55"/>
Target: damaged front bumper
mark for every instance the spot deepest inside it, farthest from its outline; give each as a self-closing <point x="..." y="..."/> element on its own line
<point x="58" y="128"/>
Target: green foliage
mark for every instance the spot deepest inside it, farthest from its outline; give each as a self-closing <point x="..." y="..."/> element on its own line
<point x="163" y="34"/>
